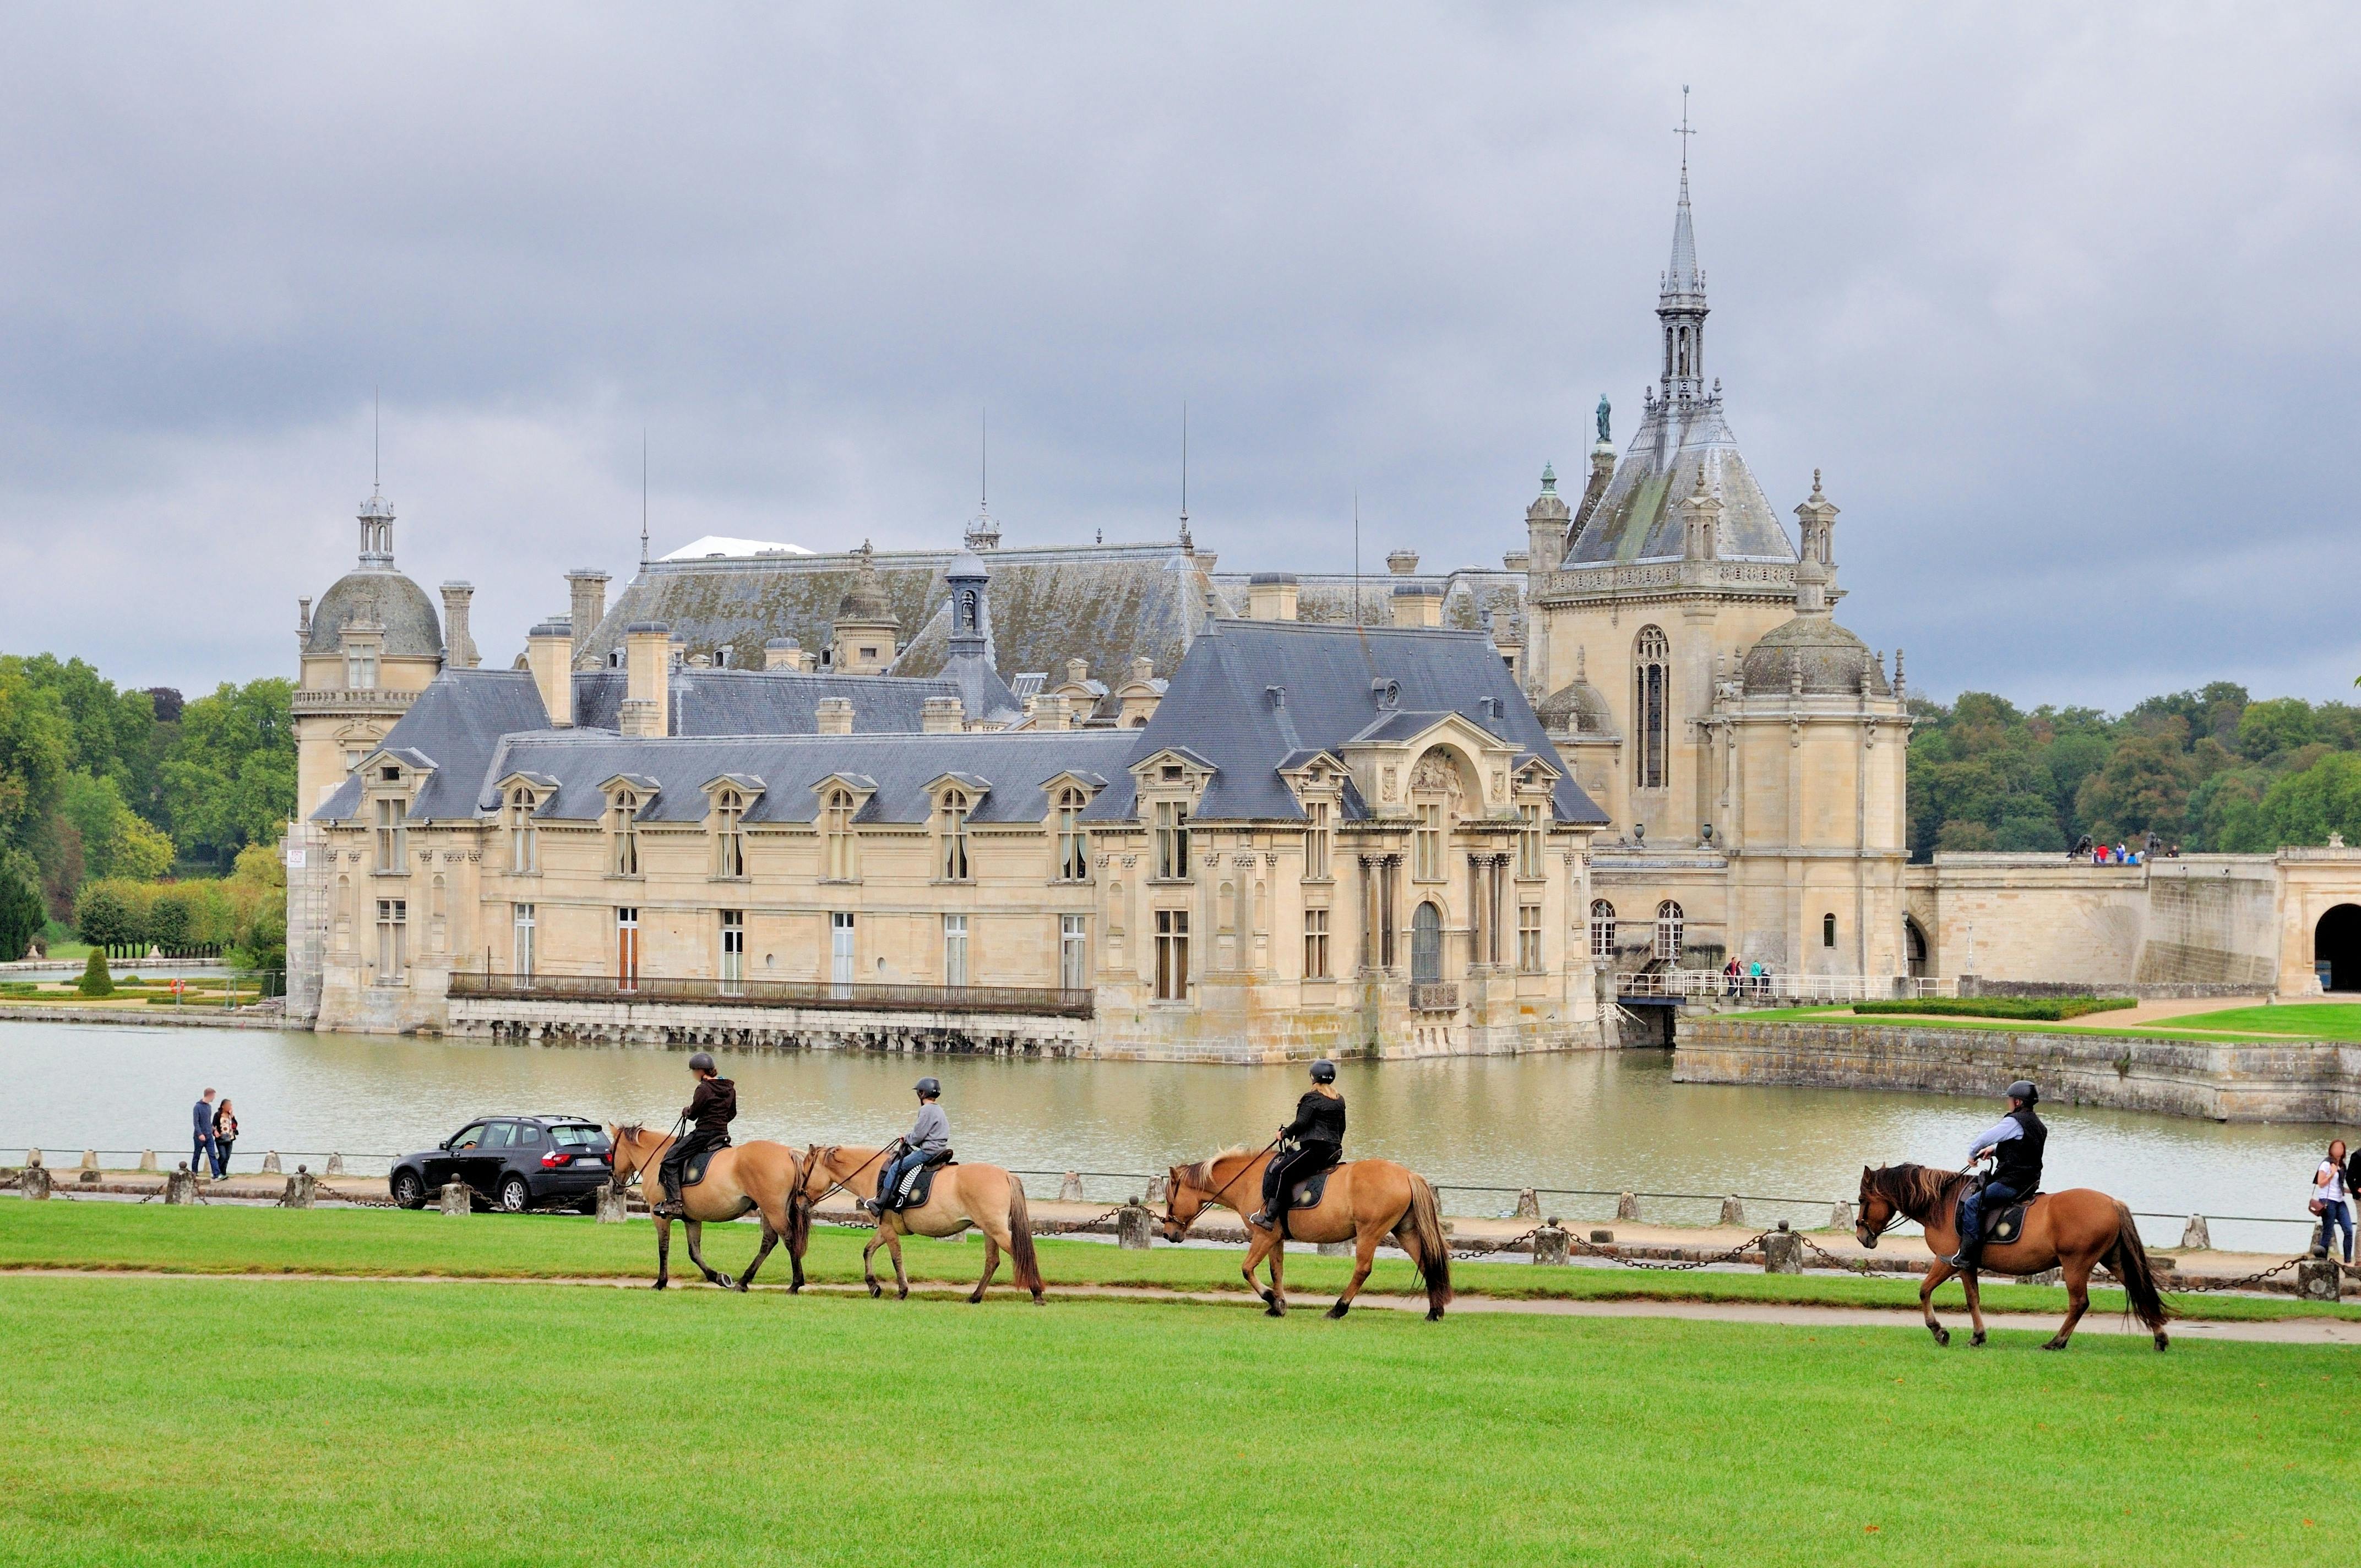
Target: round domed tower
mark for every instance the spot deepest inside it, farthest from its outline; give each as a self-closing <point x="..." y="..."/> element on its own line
<point x="866" y="635"/>
<point x="373" y="642"/>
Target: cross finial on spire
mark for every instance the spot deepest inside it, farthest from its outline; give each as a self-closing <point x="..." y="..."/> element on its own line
<point x="1684" y="130"/>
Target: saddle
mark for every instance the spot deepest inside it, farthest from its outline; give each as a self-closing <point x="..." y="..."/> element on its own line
<point x="921" y="1181"/>
<point x="2003" y="1226"/>
<point x="1306" y="1193"/>
<point x="694" y="1171"/>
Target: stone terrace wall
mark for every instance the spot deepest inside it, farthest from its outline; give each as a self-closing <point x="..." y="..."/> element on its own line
<point x="2257" y="1082"/>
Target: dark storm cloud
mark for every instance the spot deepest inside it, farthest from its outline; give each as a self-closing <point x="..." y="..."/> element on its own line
<point x="2062" y="303"/>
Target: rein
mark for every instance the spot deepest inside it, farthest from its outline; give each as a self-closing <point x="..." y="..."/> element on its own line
<point x="1215" y="1197"/>
<point x="839" y="1184"/>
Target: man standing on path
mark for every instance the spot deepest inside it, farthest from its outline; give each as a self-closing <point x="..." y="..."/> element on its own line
<point x="201" y="1158"/>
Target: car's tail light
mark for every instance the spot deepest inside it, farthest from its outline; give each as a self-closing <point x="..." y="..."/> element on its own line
<point x="554" y="1158"/>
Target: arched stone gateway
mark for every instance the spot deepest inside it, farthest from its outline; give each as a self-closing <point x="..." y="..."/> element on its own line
<point x="2336" y="947"/>
<point x="1914" y="947"/>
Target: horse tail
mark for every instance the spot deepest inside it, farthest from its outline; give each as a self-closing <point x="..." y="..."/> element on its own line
<point x="1428" y="1249"/>
<point x="799" y="1211"/>
<point x="1021" y="1256"/>
<point x="2126" y="1259"/>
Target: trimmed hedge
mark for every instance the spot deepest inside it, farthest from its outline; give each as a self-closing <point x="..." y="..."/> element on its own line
<point x="2037" y="1009"/>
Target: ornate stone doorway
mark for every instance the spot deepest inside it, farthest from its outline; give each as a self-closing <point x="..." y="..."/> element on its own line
<point x="2337" y="948"/>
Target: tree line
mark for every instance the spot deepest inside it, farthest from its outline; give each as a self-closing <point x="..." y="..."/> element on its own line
<point x="2207" y="769"/>
<point x="106" y="784"/>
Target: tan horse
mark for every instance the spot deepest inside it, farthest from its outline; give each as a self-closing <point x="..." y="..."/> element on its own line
<point x="1366" y="1201"/>
<point x="984" y="1196"/>
<point x="760" y="1178"/>
<point x="2069" y="1231"/>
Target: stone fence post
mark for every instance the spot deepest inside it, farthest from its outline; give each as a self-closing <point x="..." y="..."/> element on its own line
<point x="1132" y="1231"/>
<point x="2196" y="1236"/>
<point x="181" y="1187"/>
<point x="335" y="1166"/>
<point x="1529" y="1204"/>
<point x="148" y="1160"/>
<point x="1550" y="1243"/>
<point x="1733" y="1213"/>
<point x="1155" y="1193"/>
<point x="1627" y="1207"/>
<point x="614" y="1204"/>
<point x="452" y="1198"/>
<point x="1782" y="1250"/>
<point x="2318" y="1280"/>
<point x="301" y="1187"/>
<point x="270" y="1163"/>
<point x="1840" y="1217"/>
<point x="1070" y="1191"/>
<point x="35" y="1182"/>
<point x="89" y="1171"/>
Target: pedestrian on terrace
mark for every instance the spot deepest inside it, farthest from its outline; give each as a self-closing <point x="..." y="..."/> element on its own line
<point x="201" y="1117"/>
<point x="2328" y="1200"/>
<point x="224" y="1137"/>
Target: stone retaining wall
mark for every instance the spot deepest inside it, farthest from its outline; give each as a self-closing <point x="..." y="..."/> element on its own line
<point x="2142" y="990"/>
<point x="2232" y="1082"/>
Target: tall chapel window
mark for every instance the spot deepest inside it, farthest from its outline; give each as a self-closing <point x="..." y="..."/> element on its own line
<point x="1073" y="841"/>
<point x="1651" y="675"/>
<point x="524" y="834"/>
<point x="955" y="807"/>
<point x="627" y="834"/>
<point x="837" y="829"/>
<point x="729" y="833"/>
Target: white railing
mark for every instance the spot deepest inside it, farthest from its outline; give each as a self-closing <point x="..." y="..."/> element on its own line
<point x="1765" y="989"/>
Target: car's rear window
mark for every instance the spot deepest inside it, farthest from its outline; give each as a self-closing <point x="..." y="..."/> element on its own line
<point x="577" y="1137"/>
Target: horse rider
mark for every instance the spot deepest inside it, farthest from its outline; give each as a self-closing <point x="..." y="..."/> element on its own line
<point x="2014" y="1144"/>
<point x="711" y="1111"/>
<point x="1308" y="1145"/>
<point x="929" y="1137"/>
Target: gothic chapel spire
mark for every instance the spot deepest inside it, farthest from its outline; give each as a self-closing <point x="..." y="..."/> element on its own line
<point x="1680" y="301"/>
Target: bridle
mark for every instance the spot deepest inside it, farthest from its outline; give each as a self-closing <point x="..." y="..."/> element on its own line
<point x="1214" y="1197"/>
<point x="803" y="1181"/>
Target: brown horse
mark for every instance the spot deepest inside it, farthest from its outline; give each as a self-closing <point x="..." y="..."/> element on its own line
<point x="2069" y="1231"/>
<point x="984" y="1196"/>
<point x="761" y="1178"/>
<point x="1366" y="1201"/>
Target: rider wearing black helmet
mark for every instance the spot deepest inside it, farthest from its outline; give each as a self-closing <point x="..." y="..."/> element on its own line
<point x="2016" y="1143"/>
<point x="1308" y="1145"/>
<point x="929" y="1136"/>
<point x="711" y="1111"/>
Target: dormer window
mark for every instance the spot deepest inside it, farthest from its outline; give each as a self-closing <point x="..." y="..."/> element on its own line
<point x="1073" y="841"/>
<point x="392" y="834"/>
<point x="1172" y="839"/>
<point x="360" y="667"/>
<point x="625" y="833"/>
<point x="954" y="862"/>
<point x="728" y="833"/>
<point x="1317" y="831"/>
<point x="835" y="829"/>
<point x="524" y="834"/>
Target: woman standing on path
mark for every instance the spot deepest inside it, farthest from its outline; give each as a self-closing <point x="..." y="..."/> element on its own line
<point x="2328" y="1200"/>
<point x="224" y="1136"/>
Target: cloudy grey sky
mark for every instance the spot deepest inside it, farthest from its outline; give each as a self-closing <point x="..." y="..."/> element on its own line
<point x="2061" y="299"/>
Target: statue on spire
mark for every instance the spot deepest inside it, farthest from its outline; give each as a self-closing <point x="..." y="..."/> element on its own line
<point x="1604" y="410"/>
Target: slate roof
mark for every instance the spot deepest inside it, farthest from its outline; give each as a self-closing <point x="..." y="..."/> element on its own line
<point x="760" y="702"/>
<point x="1005" y="769"/>
<point x="1102" y="603"/>
<point x="1639" y="518"/>
<point x="412" y="631"/>
<point x="457" y="722"/>
<point x="1327" y="599"/>
<point x="1220" y="708"/>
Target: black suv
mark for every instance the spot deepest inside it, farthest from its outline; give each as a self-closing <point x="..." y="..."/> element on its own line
<point x="513" y="1164"/>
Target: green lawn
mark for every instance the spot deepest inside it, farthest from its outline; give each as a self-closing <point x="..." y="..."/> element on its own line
<point x="236" y="1421"/>
<point x="383" y="1242"/>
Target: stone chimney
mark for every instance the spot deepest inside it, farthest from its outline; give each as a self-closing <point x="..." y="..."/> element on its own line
<point x="1416" y="604"/>
<point x="1402" y="562"/>
<point x="588" y="587"/>
<point x="549" y="655"/>
<point x="1046" y="710"/>
<point x="458" y="641"/>
<point x="1077" y="672"/>
<point x="1272" y="595"/>
<point x="647" y="679"/>
<point x="782" y="654"/>
<point x="835" y="717"/>
<point x="940" y="715"/>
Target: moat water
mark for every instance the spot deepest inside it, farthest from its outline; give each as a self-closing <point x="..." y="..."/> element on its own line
<point x="1595" y="1122"/>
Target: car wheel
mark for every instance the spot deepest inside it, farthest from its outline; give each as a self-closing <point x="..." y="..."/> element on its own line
<point x="408" y="1190"/>
<point x="515" y="1196"/>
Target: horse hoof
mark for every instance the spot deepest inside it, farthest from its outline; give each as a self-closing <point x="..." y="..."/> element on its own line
<point x="1273" y="1313"/>
<point x="1979" y="1341"/>
<point x="2163" y="1342"/>
<point x="876" y="1290"/>
<point x="2053" y="1344"/>
<point x="1434" y="1314"/>
<point x="1268" y="1298"/>
<point x="1943" y="1338"/>
<point x="903" y="1294"/>
<point x="1339" y="1310"/>
<point x="657" y="1285"/>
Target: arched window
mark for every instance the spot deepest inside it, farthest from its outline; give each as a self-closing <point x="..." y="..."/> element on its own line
<point x="1651" y="677"/>
<point x="1827" y="930"/>
<point x="1074" y="842"/>
<point x="524" y="834"/>
<point x="728" y="833"/>
<point x="955" y="807"/>
<point x="1914" y="947"/>
<point x="1427" y="944"/>
<point x="967" y="610"/>
<point x="1668" y="931"/>
<point x="627" y="833"/>
<point x="837" y="827"/>
<point x="1602" y="928"/>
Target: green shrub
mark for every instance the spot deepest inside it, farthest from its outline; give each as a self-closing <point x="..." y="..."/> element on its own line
<point x="2037" y="1009"/>
<point x="95" y="980"/>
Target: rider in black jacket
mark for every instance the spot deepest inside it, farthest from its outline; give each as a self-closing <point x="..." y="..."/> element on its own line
<point x="2016" y="1143"/>
<point x="711" y="1111"/>
<point x="1308" y="1145"/>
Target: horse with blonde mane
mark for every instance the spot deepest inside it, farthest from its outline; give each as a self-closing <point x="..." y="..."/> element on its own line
<point x="761" y="1178"/>
<point x="1366" y="1201"/>
<point x="984" y="1196"/>
<point x="2073" y="1232"/>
